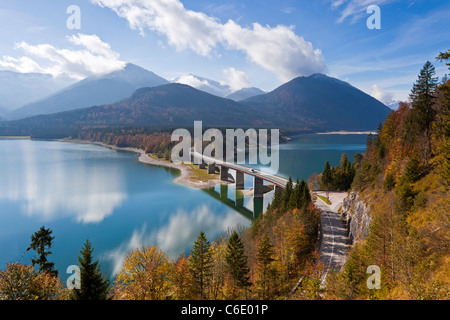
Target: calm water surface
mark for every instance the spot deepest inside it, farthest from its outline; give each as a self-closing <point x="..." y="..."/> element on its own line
<point x="84" y="191"/>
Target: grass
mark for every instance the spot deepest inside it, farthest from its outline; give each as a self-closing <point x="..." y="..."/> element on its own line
<point x="201" y="174"/>
<point x="324" y="199"/>
<point x="15" y="137"/>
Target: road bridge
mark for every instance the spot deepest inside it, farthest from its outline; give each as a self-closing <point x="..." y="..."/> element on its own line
<point x="259" y="176"/>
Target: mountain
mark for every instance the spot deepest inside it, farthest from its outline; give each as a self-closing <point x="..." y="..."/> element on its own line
<point x="172" y="105"/>
<point x="204" y="84"/>
<point x="93" y="91"/>
<point x="17" y="89"/>
<point x="245" y="93"/>
<point x="3" y="113"/>
<point x="306" y="104"/>
<point x="320" y="103"/>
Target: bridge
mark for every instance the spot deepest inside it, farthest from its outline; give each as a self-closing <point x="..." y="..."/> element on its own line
<point x="223" y="166"/>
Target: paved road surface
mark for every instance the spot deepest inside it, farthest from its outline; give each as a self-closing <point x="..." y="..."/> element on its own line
<point x="333" y="246"/>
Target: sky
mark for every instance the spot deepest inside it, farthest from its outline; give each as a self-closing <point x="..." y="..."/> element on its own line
<point x="260" y="43"/>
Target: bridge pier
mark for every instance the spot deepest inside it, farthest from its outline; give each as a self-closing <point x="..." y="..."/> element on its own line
<point x="239" y="180"/>
<point x="258" y="187"/>
<point x="224" y="191"/>
<point x="223" y="173"/>
<point x="239" y="199"/>
<point x="258" y="204"/>
<point x="211" y="168"/>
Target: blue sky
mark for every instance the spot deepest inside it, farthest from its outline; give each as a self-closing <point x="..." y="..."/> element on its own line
<point x="239" y="43"/>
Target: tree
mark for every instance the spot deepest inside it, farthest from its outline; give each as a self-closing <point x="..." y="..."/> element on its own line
<point x="412" y="169"/>
<point x="237" y="261"/>
<point x="422" y="113"/>
<point x="201" y="263"/>
<point x="147" y="275"/>
<point x="327" y="177"/>
<point x="296" y="196"/>
<point x="182" y="278"/>
<point x="22" y="282"/>
<point x="277" y="201"/>
<point x="444" y="56"/>
<point x="443" y="122"/>
<point x="93" y="285"/>
<point x="265" y="257"/>
<point x="287" y="194"/>
<point x="41" y="242"/>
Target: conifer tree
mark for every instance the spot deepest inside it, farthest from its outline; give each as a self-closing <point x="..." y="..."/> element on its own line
<point x="327" y="176"/>
<point x="287" y="194"/>
<point x="201" y="264"/>
<point x="41" y="242"/>
<point x="422" y="113"/>
<point x="296" y="196"/>
<point x="237" y="261"/>
<point x="277" y="200"/>
<point x="93" y="285"/>
<point x="265" y="257"/>
<point x="306" y="196"/>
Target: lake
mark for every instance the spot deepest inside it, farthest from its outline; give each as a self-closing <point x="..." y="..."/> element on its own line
<point x="84" y="191"/>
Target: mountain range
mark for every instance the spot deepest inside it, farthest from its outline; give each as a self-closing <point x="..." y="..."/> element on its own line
<point x="245" y="93"/>
<point x="17" y="89"/>
<point x="92" y="91"/>
<point x="305" y="104"/>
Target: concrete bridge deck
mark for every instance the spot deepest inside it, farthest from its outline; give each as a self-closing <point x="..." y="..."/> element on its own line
<point x="224" y="166"/>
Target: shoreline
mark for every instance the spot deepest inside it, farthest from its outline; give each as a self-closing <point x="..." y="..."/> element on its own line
<point x="185" y="170"/>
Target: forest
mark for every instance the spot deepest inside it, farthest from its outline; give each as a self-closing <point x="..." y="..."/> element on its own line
<point x="404" y="177"/>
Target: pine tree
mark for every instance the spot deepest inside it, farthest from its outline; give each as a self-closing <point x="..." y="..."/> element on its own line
<point x="237" y="261"/>
<point x="277" y="201"/>
<point x="422" y="113"/>
<point x="306" y="196"/>
<point x="296" y="196"/>
<point x="93" y="285"/>
<point x="287" y="194"/>
<point x="265" y="257"/>
<point x="327" y="177"/>
<point x="201" y="264"/>
<point x="40" y="241"/>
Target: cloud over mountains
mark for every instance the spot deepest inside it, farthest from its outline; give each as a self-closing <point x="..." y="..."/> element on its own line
<point x="277" y="49"/>
<point x="91" y="57"/>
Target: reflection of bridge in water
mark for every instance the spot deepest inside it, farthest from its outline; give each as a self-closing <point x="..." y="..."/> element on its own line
<point x="238" y="203"/>
<point x="213" y="165"/>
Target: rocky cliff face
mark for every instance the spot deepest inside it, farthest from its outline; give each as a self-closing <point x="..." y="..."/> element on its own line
<point x="356" y="214"/>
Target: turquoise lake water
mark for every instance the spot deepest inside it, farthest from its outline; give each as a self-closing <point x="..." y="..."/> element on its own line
<point x="84" y="191"/>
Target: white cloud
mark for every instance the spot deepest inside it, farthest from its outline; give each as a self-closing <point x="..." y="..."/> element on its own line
<point x="276" y="49"/>
<point x="207" y="85"/>
<point x="178" y="234"/>
<point x="192" y="81"/>
<point x="95" y="57"/>
<point x="381" y="95"/>
<point x="235" y="79"/>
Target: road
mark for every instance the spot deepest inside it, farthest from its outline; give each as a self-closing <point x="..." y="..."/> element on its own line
<point x="333" y="246"/>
